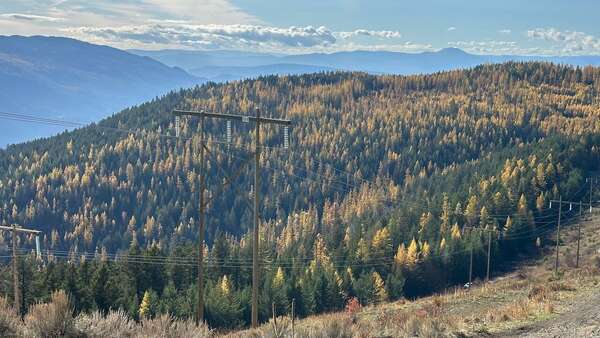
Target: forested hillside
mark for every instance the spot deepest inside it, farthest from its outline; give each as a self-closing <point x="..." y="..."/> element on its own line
<point x="371" y="200"/>
<point x="74" y="80"/>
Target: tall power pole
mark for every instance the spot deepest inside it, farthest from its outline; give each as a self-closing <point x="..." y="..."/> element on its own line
<point x="15" y="272"/>
<point x="570" y="203"/>
<point x="200" y="282"/>
<point x="470" y="229"/>
<point x="558" y="234"/>
<point x="489" y="255"/>
<point x="14" y="229"/>
<point x="489" y="251"/>
<point x="579" y="233"/>
<point x="258" y="120"/>
<point x="591" y="180"/>
<point x="255" y="241"/>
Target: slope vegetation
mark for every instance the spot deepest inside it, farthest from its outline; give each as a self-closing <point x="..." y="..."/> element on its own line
<point x="390" y="183"/>
<point x="531" y="301"/>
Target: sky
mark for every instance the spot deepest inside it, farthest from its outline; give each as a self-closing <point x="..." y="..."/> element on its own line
<point x="525" y="27"/>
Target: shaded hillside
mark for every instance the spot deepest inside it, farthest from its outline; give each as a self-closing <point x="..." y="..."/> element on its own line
<point x="74" y="80"/>
<point x="211" y="64"/>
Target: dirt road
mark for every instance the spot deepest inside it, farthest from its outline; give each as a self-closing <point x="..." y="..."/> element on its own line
<point x="582" y="319"/>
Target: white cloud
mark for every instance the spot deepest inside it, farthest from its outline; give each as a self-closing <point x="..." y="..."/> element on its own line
<point x="450" y="29"/>
<point x="169" y="34"/>
<point x="370" y="33"/>
<point x="30" y="17"/>
<point x="567" y="42"/>
<point x="211" y="36"/>
<point x="61" y="14"/>
<point x="505" y="31"/>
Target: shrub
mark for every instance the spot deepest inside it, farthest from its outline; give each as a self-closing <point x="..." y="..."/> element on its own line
<point x="425" y="327"/>
<point x="165" y="326"/>
<point x="352" y="306"/>
<point x="51" y="320"/>
<point x="538" y="293"/>
<point x="115" y="324"/>
<point x="328" y="329"/>
<point x="10" y="325"/>
<point x="278" y="328"/>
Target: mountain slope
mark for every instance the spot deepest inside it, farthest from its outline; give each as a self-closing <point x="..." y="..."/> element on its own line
<point x="341" y="118"/>
<point x="530" y="301"/>
<point x="374" y="200"/>
<point x="375" y="62"/>
<point x="70" y="79"/>
<point x="229" y="73"/>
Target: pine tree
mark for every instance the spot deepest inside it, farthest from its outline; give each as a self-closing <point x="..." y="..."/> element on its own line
<point x="144" y="310"/>
<point x="412" y="254"/>
<point x="455" y="232"/>
<point x="380" y="293"/>
<point x="382" y="245"/>
<point x="425" y="250"/>
<point x="471" y="210"/>
<point x="540" y="202"/>
<point x="484" y="218"/>
<point x="400" y="257"/>
<point x="225" y="286"/>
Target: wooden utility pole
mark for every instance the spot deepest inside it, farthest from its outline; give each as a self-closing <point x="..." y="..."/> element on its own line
<point x="255" y="241"/>
<point x="579" y="233"/>
<point x="570" y="203"/>
<point x="591" y="180"/>
<point x="293" y="318"/>
<point x="258" y="120"/>
<point x="15" y="272"/>
<point x="489" y="252"/>
<point x="558" y="234"/>
<point x="471" y="264"/>
<point x="14" y="229"/>
<point x="489" y="255"/>
<point x="464" y="230"/>
<point x="201" y="231"/>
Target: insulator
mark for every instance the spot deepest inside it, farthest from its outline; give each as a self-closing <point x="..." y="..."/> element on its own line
<point x="38" y="250"/>
<point x="286" y="137"/>
<point x="228" y="131"/>
<point x="570" y="206"/>
<point x="550" y="204"/>
<point x="177" y="126"/>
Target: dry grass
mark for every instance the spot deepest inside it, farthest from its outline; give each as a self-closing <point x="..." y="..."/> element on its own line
<point x="115" y="324"/>
<point x="10" y="325"/>
<point x="55" y="319"/>
<point x="51" y="320"/>
<point x="166" y="327"/>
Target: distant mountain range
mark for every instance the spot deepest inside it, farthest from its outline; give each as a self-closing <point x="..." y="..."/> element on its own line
<point x="68" y="79"/>
<point x="74" y="80"/>
<point x="226" y="65"/>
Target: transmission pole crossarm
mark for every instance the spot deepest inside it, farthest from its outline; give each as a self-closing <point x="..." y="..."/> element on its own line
<point x="232" y="117"/>
<point x="18" y="229"/>
<point x="570" y="202"/>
